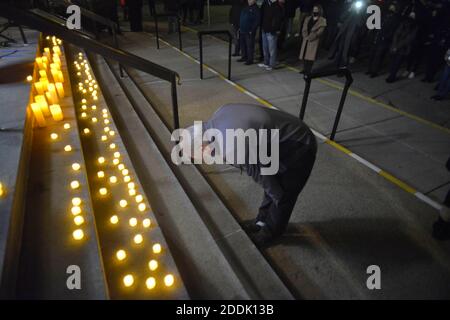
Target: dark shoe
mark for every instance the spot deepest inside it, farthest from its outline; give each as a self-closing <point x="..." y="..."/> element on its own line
<point x="390" y="80"/>
<point x="235" y="55"/>
<point x="241" y="60"/>
<point x="374" y="75"/>
<point x="250" y="226"/>
<point x="262" y="238"/>
<point x="437" y="97"/>
<point x="441" y="230"/>
<point x="248" y="63"/>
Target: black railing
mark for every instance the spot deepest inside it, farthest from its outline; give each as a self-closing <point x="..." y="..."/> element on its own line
<point x="200" y="35"/>
<point x="58" y="28"/>
<point x="97" y="19"/>
<point x="319" y="74"/>
<point x="168" y="15"/>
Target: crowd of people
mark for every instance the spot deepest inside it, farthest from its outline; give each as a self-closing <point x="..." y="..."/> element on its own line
<point x="414" y="34"/>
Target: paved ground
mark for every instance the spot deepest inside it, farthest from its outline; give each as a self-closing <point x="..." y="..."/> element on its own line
<point x="348" y="217"/>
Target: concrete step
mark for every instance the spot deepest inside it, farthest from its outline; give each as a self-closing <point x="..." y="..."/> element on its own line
<point x="246" y="261"/>
<point x="49" y="252"/>
<point x="118" y="194"/>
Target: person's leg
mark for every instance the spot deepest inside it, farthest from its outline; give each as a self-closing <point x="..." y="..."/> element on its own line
<point x="250" y="48"/>
<point x="307" y="66"/>
<point x="444" y="83"/>
<point x="265" y="45"/>
<point x="264" y="208"/>
<point x="396" y="63"/>
<point x="236" y="41"/>
<point x="244" y="47"/>
<point x="272" y="45"/>
<point x="292" y="181"/>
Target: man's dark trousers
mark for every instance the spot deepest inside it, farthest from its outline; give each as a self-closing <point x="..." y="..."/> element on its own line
<point x="247" y="45"/>
<point x="292" y="181"/>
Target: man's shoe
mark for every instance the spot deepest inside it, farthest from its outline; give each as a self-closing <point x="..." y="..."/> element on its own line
<point x="250" y="226"/>
<point x="241" y="60"/>
<point x="262" y="65"/>
<point x="268" y="68"/>
<point x="235" y="55"/>
<point x="390" y="80"/>
<point x="262" y="238"/>
<point x="441" y="230"/>
<point x="248" y="63"/>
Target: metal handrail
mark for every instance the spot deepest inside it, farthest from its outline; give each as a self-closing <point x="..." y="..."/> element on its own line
<point x="96" y="18"/>
<point x="156" y="15"/>
<point x="200" y="35"/>
<point x="325" y="73"/>
<point x="46" y="25"/>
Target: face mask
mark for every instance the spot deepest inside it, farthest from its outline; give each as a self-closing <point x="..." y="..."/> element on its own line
<point x="315" y="14"/>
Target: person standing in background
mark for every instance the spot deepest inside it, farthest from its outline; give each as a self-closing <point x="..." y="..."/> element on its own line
<point x="444" y="83"/>
<point x="332" y="11"/>
<point x="234" y="19"/>
<point x="151" y="7"/>
<point x="441" y="228"/>
<point x="290" y="8"/>
<point x="172" y="7"/>
<point x="135" y="13"/>
<point x="248" y="24"/>
<point x="351" y="20"/>
<point x="272" y="14"/>
<point x="313" y="28"/>
<point x="437" y="42"/>
<point x="383" y="40"/>
<point x="402" y="44"/>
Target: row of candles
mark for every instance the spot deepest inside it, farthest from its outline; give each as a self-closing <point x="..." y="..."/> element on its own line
<point x="49" y="93"/>
<point x="88" y="89"/>
<point x="48" y="86"/>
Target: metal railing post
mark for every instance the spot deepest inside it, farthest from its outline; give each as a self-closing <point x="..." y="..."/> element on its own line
<point x="200" y="35"/>
<point x="348" y="82"/>
<point x="305" y="96"/>
<point x="200" y="42"/>
<point x="179" y="33"/>
<point x="176" y="120"/>
<point x="229" y="55"/>
<point x="156" y="31"/>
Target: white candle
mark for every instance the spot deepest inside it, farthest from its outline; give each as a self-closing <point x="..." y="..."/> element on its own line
<point x="60" y="89"/>
<point x="53" y="95"/>
<point x="38" y="115"/>
<point x="56" y="112"/>
<point x="40" y="100"/>
<point x="39" y="87"/>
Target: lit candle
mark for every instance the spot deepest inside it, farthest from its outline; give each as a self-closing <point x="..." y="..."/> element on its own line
<point x="150" y="283"/>
<point x="56" y="112"/>
<point x="39" y="87"/>
<point x="121" y="254"/>
<point x="39" y="62"/>
<point x="2" y="190"/>
<point x="50" y="98"/>
<point x="44" y="82"/>
<point x="60" y="76"/>
<point x="54" y="73"/>
<point x="40" y="100"/>
<point x="78" y="234"/>
<point x="128" y="280"/>
<point x="169" y="280"/>
<point x="60" y="89"/>
<point x="38" y="115"/>
<point x="52" y="89"/>
<point x="56" y="50"/>
<point x="43" y="73"/>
